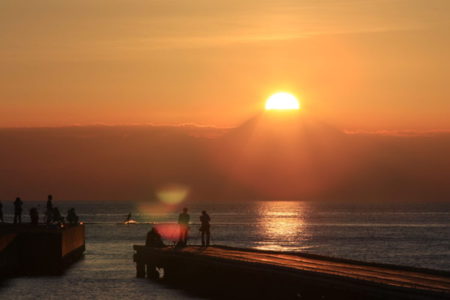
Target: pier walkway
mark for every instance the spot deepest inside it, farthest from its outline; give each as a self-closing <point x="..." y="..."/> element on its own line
<point x="269" y="274"/>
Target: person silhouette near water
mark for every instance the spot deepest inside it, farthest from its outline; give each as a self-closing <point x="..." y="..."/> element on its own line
<point x="72" y="217"/>
<point x="154" y="239"/>
<point x="18" y="211"/>
<point x="183" y="221"/>
<point x="1" y="213"/>
<point x="34" y="216"/>
<point x="57" y="217"/>
<point x="49" y="211"/>
<point x="204" y="228"/>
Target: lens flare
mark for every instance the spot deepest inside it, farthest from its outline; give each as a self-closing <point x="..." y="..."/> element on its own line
<point x="172" y="193"/>
<point x="170" y="232"/>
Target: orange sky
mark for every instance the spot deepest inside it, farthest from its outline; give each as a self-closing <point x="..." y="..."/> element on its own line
<point x="366" y="65"/>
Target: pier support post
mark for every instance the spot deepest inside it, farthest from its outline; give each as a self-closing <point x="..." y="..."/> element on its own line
<point x="140" y="269"/>
<point x="151" y="271"/>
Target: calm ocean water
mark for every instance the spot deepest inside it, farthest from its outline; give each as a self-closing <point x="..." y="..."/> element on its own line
<point x="405" y="234"/>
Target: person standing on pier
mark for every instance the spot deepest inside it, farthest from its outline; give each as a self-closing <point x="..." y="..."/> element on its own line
<point x="49" y="211"/>
<point x="18" y="211"/>
<point x="34" y="216"/>
<point x="1" y="213"/>
<point x="183" y="221"/>
<point x="204" y="228"/>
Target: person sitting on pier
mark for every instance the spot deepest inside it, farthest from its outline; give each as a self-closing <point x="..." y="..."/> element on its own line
<point x="18" y="211"/>
<point x="34" y="216"/>
<point x="154" y="239"/>
<point x="57" y="217"/>
<point x="49" y="211"/>
<point x="72" y="217"/>
<point x="204" y="228"/>
<point x="183" y="221"/>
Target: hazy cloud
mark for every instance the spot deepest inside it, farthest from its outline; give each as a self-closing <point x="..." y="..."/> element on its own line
<point x="132" y="163"/>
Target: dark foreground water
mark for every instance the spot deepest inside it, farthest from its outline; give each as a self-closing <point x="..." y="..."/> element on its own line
<point x="405" y="234"/>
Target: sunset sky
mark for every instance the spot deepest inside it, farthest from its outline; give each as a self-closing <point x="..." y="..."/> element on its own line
<point x="360" y="65"/>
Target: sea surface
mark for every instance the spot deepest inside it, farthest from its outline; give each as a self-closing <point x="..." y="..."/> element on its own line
<point x="408" y="234"/>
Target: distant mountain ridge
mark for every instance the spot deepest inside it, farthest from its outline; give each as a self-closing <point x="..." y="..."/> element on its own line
<point x="304" y="160"/>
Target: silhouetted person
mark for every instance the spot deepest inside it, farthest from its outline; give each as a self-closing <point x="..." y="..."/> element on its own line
<point x="34" y="216"/>
<point x="204" y="228"/>
<point x="57" y="217"/>
<point x="183" y="221"/>
<point x="49" y="202"/>
<point x="72" y="217"/>
<point x="1" y="213"/>
<point x="49" y="210"/>
<point x="18" y="211"/>
<point x="154" y="239"/>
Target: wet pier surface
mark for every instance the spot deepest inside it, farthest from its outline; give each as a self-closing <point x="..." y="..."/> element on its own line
<point x="221" y="272"/>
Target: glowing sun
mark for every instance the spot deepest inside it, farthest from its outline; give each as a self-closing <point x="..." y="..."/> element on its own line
<point x="282" y="100"/>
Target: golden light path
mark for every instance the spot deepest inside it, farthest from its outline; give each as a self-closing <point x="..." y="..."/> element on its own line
<point x="282" y="224"/>
<point x="282" y="101"/>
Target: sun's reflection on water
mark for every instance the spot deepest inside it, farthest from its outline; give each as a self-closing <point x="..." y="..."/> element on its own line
<point x="282" y="224"/>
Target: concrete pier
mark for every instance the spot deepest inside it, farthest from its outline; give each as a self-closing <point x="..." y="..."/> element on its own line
<point x="225" y="272"/>
<point x="39" y="250"/>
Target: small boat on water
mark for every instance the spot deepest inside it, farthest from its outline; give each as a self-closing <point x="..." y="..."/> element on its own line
<point x="128" y="222"/>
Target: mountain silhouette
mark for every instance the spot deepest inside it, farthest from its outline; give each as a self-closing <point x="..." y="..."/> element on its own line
<point x="286" y="155"/>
